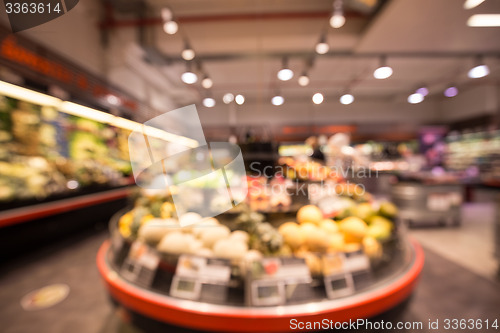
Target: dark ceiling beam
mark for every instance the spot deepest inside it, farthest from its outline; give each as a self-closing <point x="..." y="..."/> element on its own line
<point x="151" y="21"/>
<point x="332" y="54"/>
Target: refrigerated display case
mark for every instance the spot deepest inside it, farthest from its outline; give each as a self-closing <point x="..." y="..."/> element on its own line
<point x="153" y="268"/>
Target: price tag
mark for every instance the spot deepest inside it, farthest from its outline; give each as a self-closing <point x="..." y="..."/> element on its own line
<point x="141" y="264"/>
<point x="194" y="274"/>
<point x="339" y="285"/>
<point x="271" y="278"/>
<point x="356" y="262"/>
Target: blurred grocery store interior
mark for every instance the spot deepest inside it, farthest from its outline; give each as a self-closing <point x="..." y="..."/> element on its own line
<point x="250" y="165"/>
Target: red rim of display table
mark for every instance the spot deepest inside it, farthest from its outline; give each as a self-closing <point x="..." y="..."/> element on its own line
<point x="223" y="318"/>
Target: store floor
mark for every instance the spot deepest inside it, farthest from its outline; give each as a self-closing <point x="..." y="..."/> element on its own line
<point x="449" y="287"/>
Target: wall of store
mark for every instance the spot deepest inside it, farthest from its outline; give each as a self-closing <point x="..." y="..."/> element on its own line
<point x="479" y="100"/>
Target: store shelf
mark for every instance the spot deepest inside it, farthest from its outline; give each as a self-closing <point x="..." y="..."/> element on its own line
<point x="204" y="316"/>
<point x="33" y="212"/>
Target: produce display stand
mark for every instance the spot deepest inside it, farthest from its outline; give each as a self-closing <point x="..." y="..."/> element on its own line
<point x="383" y="294"/>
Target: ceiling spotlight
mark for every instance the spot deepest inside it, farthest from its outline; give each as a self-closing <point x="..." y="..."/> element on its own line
<point x="318" y="98"/>
<point x="166" y="14"/>
<point x="451" y="91"/>
<point x="322" y="47"/>
<point x="424" y="91"/>
<point x="337" y="19"/>
<point x="207" y="82"/>
<point x="278" y="100"/>
<point x="112" y="99"/>
<point x="170" y="27"/>
<point x="189" y="76"/>
<point x="228" y="98"/>
<point x="415" y="98"/>
<point x="469" y="4"/>
<point x="484" y="20"/>
<point x="285" y="73"/>
<point x="304" y="80"/>
<point x="239" y="99"/>
<point x="346" y="99"/>
<point x="384" y="71"/>
<point x="209" y="102"/>
<point x="188" y="52"/>
<point x="480" y="70"/>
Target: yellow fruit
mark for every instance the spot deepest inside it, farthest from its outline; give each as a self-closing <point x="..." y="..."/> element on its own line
<point x="352" y="247"/>
<point x="146" y="218"/>
<point x="309" y="213"/>
<point x="372" y="247"/>
<point x="336" y="242"/>
<point x="167" y="210"/>
<point x="329" y="226"/>
<point x="353" y="228"/>
<point x="314" y="237"/>
<point x="124" y="224"/>
<point x="292" y="235"/>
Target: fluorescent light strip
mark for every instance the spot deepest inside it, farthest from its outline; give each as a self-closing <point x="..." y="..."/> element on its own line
<point x="28" y="95"/>
<point x="86" y="112"/>
<point x="484" y="20"/>
<point x="34" y="97"/>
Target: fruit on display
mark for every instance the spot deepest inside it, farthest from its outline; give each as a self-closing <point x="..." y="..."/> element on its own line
<point x="353" y="228"/>
<point x="309" y="213"/>
<point x="363" y="227"/>
<point x="306" y="170"/>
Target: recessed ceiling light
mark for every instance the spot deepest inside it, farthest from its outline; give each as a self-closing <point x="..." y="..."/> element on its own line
<point x="228" y="98"/>
<point x="209" y="102"/>
<point x="478" y="71"/>
<point x="207" y="82"/>
<point x="337" y="19"/>
<point x="170" y="27"/>
<point x="415" y="98"/>
<point x="469" y="4"/>
<point x="424" y="91"/>
<point x="304" y="80"/>
<point x="383" y="71"/>
<point x="277" y="100"/>
<point x="285" y="73"/>
<point x="451" y="91"/>
<point x="318" y="98"/>
<point x="239" y="99"/>
<point x="346" y="99"/>
<point x="189" y="77"/>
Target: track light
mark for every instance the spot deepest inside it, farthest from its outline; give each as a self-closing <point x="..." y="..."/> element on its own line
<point x="415" y="98"/>
<point x="337" y="19"/>
<point x="209" y="102"/>
<point x="451" y="91"/>
<point x="304" y="80"/>
<point x="285" y="73"/>
<point x="346" y="99"/>
<point x="277" y="100"/>
<point x="480" y="70"/>
<point x="239" y="99"/>
<point x="207" y="82"/>
<point x="318" y="98"/>
<point x="188" y="52"/>
<point x="322" y="47"/>
<point x="189" y="76"/>
<point x="170" y="27"/>
<point x="383" y="71"/>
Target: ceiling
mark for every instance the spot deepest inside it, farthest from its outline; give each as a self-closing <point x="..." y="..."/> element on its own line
<point x="240" y="45"/>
